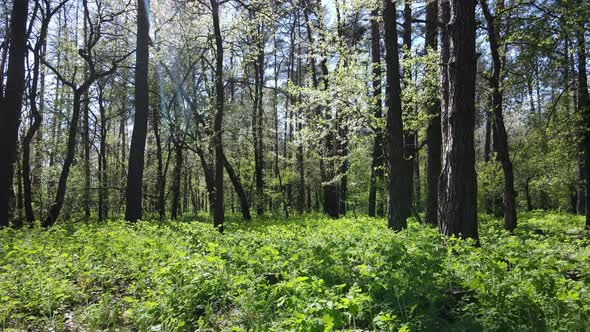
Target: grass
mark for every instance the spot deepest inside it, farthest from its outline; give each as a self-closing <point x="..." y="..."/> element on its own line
<point x="307" y="274"/>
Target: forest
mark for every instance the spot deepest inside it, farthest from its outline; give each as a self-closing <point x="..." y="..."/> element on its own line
<point x="294" y="165"/>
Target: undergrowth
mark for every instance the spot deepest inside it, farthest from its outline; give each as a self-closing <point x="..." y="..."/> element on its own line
<point x="307" y="274"/>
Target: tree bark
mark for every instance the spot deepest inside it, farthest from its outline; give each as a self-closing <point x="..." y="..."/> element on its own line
<point x="238" y="188"/>
<point x="134" y="211"/>
<point x="218" y="214"/>
<point x="397" y="166"/>
<point x="458" y="183"/>
<point x="581" y="187"/>
<point x="12" y="103"/>
<point x="433" y="131"/>
<point x="409" y="135"/>
<point x="501" y="137"/>
<point x="103" y="204"/>
<point x="178" y="164"/>
<point x="377" y="164"/>
<point x="57" y="204"/>
<point x="35" y="125"/>
<point x="584" y="110"/>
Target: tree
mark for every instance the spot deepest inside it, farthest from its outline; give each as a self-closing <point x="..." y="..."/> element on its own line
<point x="584" y="110"/>
<point x="501" y="137"/>
<point x="458" y="183"/>
<point x="134" y="208"/>
<point x="433" y="131"/>
<point x="377" y="164"/>
<point x="398" y="177"/>
<point x="218" y="213"/>
<point x="12" y="102"/>
<point x="95" y="72"/>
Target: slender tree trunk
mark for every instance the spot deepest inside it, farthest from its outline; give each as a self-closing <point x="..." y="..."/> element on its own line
<point x="103" y="204"/>
<point x="458" y="183"/>
<point x="377" y="164"/>
<point x="581" y="186"/>
<point x="35" y="125"/>
<point x="17" y="222"/>
<point x="161" y="179"/>
<point x="409" y="135"/>
<point x="86" y="136"/>
<point x="11" y="103"/>
<point x="487" y="149"/>
<point x="584" y="110"/>
<point x="433" y="131"/>
<point x="399" y="181"/>
<point x="218" y="214"/>
<point x="299" y="125"/>
<point x="501" y="137"/>
<point x="57" y="204"/>
<point x="176" y="180"/>
<point x="238" y="188"/>
<point x="134" y="211"/>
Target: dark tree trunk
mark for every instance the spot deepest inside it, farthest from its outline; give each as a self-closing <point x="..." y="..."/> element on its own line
<point x="527" y="194"/>
<point x="123" y="153"/>
<point x="161" y="179"/>
<point x="176" y="180"/>
<point x="208" y="170"/>
<point x="433" y="131"/>
<point x="501" y="137"/>
<point x="257" y="121"/>
<point x="409" y="135"/>
<point x="458" y="184"/>
<point x="235" y="179"/>
<point x="17" y="222"/>
<point x="218" y="214"/>
<point x="35" y="125"/>
<point x="86" y="153"/>
<point x="581" y="187"/>
<point x="377" y="171"/>
<point x="103" y="205"/>
<point x="330" y="189"/>
<point x="584" y="110"/>
<point x="487" y="148"/>
<point x="11" y="103"/>
<point x="399" y="180"/>
<point x="299" y="154"/>
<point x="57" y="204"/>
<point x="134" y="209"/>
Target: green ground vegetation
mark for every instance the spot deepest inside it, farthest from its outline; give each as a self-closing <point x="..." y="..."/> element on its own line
<point x="307" y="274"/>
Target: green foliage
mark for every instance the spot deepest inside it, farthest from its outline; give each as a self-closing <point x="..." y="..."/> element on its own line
<point x="309" y="274"/>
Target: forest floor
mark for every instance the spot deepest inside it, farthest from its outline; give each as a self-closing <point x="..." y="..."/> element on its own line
<point x="308" y="274"/>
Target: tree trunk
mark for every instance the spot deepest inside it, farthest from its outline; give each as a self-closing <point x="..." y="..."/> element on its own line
<point x="409" y="135"/>
<point x="259" y="138"/>
<point x="377" y="172"/>
<point x="161" y="179"/>
<point x="103" y="205"/>
<point x="238" y="188"/>
<point x="57" y="204"/>
<point x="35" y="125"/>
<point x="176" y="180"/>
<point x="433" y="131"/>
<point x="134" y="209"/>
<point x="399" y="180"/>
<point x="501" y="137"/>
<point x="584" y="110"/>
<point x="458" y="183"/>
<point x="581" y="187"/>
<point x="218" y="214"/>
<point x="12" y="103"/>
